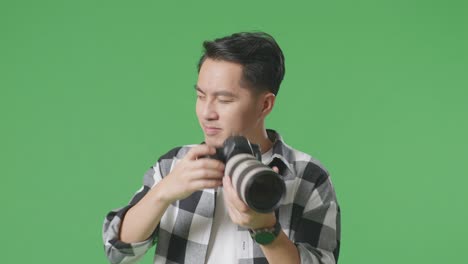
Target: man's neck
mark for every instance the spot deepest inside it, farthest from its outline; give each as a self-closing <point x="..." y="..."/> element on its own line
<point x="264" y="142"/>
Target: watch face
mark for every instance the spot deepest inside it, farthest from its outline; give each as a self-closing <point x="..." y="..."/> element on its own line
<point x="264" y="238"/>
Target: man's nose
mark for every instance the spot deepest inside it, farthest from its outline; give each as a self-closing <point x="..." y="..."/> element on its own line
<point x="209" y="112"/>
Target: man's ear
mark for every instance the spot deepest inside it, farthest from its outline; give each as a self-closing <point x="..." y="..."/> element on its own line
<point x="268" y="102"/>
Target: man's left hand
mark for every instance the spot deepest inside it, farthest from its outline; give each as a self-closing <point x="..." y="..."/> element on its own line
<point x="240" y="213"/>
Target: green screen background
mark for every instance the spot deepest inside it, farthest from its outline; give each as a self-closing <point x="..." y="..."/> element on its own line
<point x="93" y="92"/>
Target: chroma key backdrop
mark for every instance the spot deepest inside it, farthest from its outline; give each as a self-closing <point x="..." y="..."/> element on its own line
<point x="93" y="92"/>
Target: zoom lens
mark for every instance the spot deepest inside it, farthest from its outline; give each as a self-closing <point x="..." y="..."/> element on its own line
<point x="260" y="187"/>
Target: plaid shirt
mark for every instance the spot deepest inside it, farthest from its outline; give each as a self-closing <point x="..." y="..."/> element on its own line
<point x="309" y="215"/>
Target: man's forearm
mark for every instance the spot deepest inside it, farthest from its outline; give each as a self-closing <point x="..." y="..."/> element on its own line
<point x="141" y="220"/>
<point x="281" y="251"/>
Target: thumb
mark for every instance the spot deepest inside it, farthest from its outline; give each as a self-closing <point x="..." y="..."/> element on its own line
<point x="275" y="169"/>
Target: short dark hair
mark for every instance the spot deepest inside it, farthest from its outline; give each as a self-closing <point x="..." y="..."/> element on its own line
<point x="258" y="53"/>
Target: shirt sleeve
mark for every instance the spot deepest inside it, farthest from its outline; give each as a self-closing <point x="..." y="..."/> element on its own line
<point x="317" y="233"/>
<point x="116" y="250"/>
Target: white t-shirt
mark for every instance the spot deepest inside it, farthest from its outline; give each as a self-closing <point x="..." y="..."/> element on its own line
<point x="224" y="238"/>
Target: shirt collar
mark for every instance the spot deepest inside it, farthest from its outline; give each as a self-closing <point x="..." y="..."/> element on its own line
<point x="281" y="152"/>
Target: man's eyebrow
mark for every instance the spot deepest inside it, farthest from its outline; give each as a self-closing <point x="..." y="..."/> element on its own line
<point x="217" y="93"/>
<point x="199" y="89"/>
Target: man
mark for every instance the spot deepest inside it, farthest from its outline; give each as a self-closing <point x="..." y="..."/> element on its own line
<point x="193" y="213"/>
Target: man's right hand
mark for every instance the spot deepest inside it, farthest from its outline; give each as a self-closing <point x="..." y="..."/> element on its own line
<point x="191" y="174"/>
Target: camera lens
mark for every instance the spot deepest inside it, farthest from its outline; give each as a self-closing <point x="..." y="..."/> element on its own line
<point x="257" y="185"/>
<point x="264" y="191"/>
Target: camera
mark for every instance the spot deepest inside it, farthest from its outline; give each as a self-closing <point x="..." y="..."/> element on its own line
<point x="260" y="187"/>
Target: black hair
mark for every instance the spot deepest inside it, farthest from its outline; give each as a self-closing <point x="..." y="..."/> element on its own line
<point x="258" y="53"/>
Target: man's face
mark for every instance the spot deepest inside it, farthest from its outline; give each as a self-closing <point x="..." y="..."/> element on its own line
<point x="224" y="108"/>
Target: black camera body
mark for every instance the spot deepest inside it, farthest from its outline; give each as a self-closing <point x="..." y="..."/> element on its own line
<point x="260" y="187"/>
<point x="236" y="145"/>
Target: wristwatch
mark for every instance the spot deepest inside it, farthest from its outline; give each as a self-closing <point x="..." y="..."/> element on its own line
<point x="265" y="236"/>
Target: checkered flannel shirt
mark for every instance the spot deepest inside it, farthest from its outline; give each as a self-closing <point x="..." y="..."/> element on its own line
<point x="309" y="215"/>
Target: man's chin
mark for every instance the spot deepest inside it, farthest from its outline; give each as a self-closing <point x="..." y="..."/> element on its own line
<point x="214" y="141"/>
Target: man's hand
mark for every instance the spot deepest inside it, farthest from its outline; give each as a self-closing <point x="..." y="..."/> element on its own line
<point x="281" y="250"/>
<point x="240" y="213"/>
<point x="191" y="174"/>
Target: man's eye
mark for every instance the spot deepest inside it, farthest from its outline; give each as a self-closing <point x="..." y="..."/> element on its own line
<point x="225" y="101"/>
<point x="201" y="97"/>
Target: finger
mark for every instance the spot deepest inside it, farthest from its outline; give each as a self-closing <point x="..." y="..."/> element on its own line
<point x="205" y="184"/>
<point x="200" y="150"/>
<point x="201" y="174"/>
<point x="233" y="214"/>
<point x="275" y="169"/>
<point x="237" y="217"/>
<point x="209" y="164"/>
<point x="233" y="198"/>
<point x="227" y="184"/>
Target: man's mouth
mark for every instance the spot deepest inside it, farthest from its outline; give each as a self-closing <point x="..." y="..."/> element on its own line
<point x="211" y="130"/>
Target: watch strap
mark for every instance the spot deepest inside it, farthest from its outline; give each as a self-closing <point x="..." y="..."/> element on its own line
<point x="265" y="236"/>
